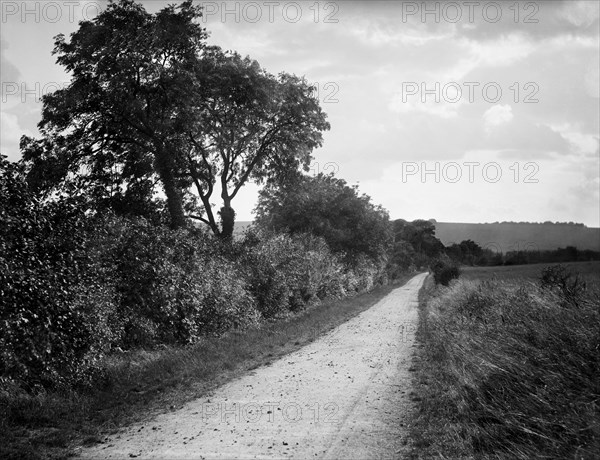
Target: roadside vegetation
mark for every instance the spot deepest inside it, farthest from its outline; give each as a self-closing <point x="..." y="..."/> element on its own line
<point x="508" y="364"/>
<point x="122" y="289"/>
<point x="142" y="382"/>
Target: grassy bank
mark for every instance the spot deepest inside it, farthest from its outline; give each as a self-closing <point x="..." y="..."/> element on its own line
<point x="506" y="369"/>
<point x="139" y="384"/>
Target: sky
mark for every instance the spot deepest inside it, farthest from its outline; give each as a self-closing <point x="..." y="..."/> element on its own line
<point x="457" y="111"/>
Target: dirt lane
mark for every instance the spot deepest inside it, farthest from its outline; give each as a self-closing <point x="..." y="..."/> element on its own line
<point x="343" y="396"/>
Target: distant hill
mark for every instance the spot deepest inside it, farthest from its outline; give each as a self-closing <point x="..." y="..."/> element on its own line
<point x="513" y="236"/>
<point x="509" y="236"/>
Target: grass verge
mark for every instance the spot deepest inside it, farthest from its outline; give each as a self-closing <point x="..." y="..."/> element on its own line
<point x="137" y="385"/>
<point x="505" y="369"/>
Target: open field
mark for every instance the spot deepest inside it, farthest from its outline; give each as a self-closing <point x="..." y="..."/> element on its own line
<point x="531" y="272"/>
<point x="512" y="236"/>
<point x="506" y="369"/>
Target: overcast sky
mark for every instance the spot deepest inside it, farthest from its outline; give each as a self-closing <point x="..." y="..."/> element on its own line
<point x="457" y="111"/>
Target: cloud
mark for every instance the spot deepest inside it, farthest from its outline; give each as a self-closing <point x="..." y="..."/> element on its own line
<point x="384" y="32"/>
<point x="580" y="13"/>
<point x="502" y="51"/>
<point x="370" y="52"/>
<point x="415" y="99"/>
<point x="525" y="139"/>
<point x="496" y="116"/>
<point x="9" y="73"/>
<point x="580" y="143"/>
<point x="429" y="107"/>
<point x="587" y="191"/>
<point x="371" y="127"/>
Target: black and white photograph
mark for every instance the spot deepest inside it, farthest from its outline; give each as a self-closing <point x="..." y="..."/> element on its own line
<point x="307" y="229"/>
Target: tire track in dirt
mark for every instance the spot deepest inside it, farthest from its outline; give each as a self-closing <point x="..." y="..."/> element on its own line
<point x="346" y="395"/>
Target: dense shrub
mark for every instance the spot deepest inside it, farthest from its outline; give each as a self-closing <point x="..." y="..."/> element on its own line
<point x="570" y="287"/>
<point x="323" y="271"/>
<point x="366" y="275"/>
<point x="444" y="271"/>
<point x="74" y="286"/>
<point x="287" y="272"/>
<point x="45" y="337"/>
<point x="271" y="269"/>
<point x="174" y="286"/>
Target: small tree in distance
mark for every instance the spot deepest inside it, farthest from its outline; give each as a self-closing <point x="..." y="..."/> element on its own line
<point x="326" y="206"/>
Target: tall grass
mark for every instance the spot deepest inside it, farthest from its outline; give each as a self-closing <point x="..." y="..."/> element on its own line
<point x="507" y="370"/>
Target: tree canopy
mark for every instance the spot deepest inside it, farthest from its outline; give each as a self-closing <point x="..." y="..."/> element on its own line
<point x="253" y="126"/>
<point x="420" y="234"/>
<point x="326" y="206"/>
<point x="150" y="103"/>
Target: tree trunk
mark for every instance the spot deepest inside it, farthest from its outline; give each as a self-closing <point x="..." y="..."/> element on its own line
<point x="165" y="166"/>
<point x="210" y="216"/>
<point x="227" y="215"/>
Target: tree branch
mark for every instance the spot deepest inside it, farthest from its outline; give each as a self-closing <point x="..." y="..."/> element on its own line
<point x="267" y="140"/>
<point x="200" y="218"/>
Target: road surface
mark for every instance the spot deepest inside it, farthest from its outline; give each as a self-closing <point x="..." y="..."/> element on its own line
<point x="345" y="395"/>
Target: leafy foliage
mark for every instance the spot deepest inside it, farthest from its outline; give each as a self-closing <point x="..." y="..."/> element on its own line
<point x="173" y="286"/>
<point x="287" y="272"/>
<point x="466" y="252"/>
<point x="251" y="126"/>
<point x="415" y="246"/>
<point x="444" y="271"/>
<point x="111" y="133"/>
<point x="150" y="102"/>
<point x="326" y="206"/>
<point x="74" y="287"/>
<point x="420" y="234"/>
<point x="44" y="335"/>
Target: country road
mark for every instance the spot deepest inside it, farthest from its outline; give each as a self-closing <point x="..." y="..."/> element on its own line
<point x="346" y="395"/>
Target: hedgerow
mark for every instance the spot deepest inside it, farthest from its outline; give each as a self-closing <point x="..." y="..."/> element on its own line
<point x="75" y="286"/>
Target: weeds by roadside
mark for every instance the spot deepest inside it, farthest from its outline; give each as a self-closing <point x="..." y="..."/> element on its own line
<point x="507" y="370"/>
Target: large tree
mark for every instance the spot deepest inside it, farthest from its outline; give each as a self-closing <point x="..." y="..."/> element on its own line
<point x="116" y="122"/>
<point x="150" y="102"/>
<point x="327" y="206"/>
<point x="420" y="234"/>
<point x="254" y="126"/>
